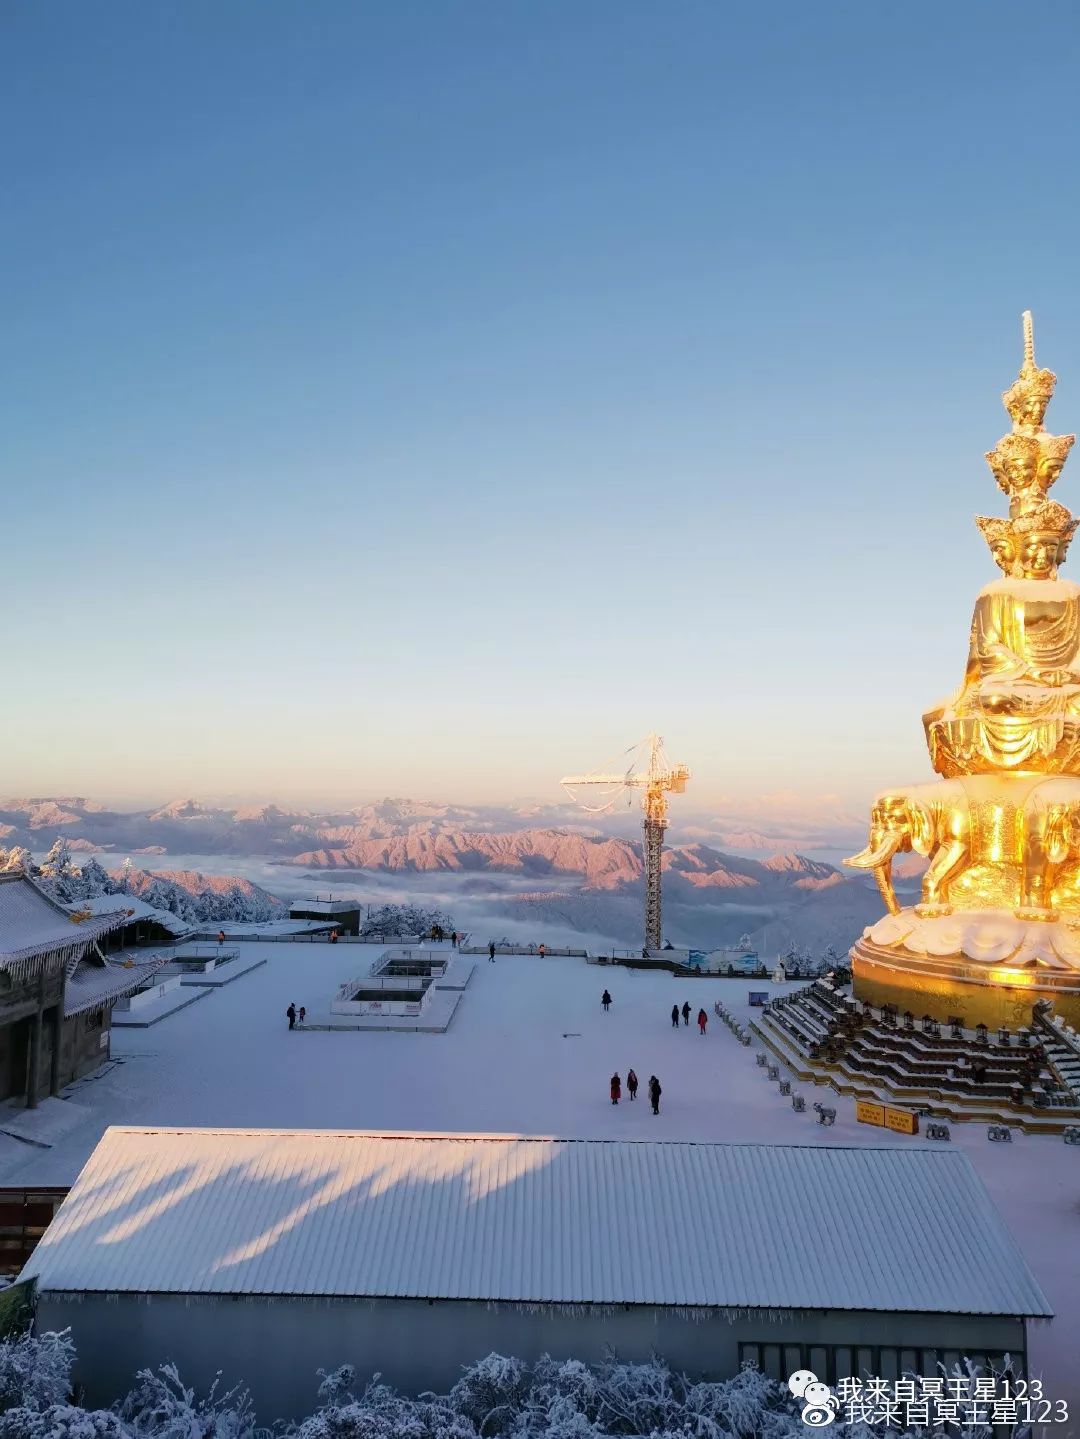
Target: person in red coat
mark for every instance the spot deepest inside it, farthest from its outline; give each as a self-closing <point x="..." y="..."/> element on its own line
<point x="616" y="1089"/>
<point x="702" y="1020"/>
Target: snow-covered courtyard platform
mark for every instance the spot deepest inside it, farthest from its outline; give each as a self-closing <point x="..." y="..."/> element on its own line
<point x="530" y="1052"/>
<point x="222" y="971"/>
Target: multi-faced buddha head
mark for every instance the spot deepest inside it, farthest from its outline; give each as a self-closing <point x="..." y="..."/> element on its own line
<point x="1027" y="398"/>
<point x="998" y="534"/>
<point x="1053" y="452"/>
<point x="1015" y="463"/>
<point x="1042" y="540"/>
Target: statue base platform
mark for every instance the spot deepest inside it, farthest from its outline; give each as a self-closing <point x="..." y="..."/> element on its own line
<point x="985" y="967"/>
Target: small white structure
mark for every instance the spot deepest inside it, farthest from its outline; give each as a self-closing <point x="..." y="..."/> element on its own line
<point x="269" y="1254"/>
<point x="340" y="914"/>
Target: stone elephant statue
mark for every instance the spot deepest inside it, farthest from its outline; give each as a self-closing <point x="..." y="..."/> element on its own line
<point x="931" y="819"/>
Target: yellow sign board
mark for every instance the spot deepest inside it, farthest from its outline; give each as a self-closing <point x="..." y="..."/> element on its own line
<point x="883" y="1115"/>
<point x="901" y="1121"/>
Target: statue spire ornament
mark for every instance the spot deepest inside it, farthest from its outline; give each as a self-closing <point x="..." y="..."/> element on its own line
<point x="997" y="925"/>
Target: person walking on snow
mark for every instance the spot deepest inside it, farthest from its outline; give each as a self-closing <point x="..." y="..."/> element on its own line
<point x="702" y="1020"/>
<point x="674" y="1016"/>
<point x="220" y="937"/>
<point x="654" y="1093"/>
<point x="453" y="939"/>
<point x="616" y="1089"/>
<point x="303" y="1016"/>
<point x="491" y="952"/>
<point x="605" y="1000"/>
<point x="631" y="1084"/>
<point x="291" y="1013"/>
<point x="686" y="1012"/>
<point x="542" y="951"/>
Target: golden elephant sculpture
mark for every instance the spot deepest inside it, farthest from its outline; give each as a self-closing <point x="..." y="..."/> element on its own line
<point x="931" y="819"/>
<point x="1050" y="840"/>
<point x="1030" y="825"/>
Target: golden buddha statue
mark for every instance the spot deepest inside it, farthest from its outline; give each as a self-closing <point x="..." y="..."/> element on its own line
<point x="1001" y="828"/>
<point x="1018" y="707"/>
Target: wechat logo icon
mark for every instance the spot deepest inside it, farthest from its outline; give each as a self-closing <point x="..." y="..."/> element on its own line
<point x="819" y="1402"/>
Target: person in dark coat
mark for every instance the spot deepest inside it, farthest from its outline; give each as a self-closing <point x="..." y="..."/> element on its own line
<point x="453" y="939"/>
<point x="291" y="1013"/>
<point x="303" y="1016"/>
<point x="654" y="1093"/>
<point x="220" y="937"/>
<point x="491" y="952"/>
<point x="616" y="1089"/>
<point x="605" y="1000"/>
<point x="674" y="1016"/>
<point x="686" y="1012"/>
<point x="631" y="1084"/>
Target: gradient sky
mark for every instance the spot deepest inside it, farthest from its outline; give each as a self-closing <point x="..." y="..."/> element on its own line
<point x="431" y="398"/>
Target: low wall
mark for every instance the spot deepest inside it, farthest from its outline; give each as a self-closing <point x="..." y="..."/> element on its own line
<point x="398" y="1008"/>
<point x="534" y="949"/>
<point x="146" y="997"/>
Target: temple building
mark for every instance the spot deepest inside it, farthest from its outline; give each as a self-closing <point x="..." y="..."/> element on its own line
<point x="57" y="989"/>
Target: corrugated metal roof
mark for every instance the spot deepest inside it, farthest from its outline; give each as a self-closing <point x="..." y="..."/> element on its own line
<point x="534" y="1221"/>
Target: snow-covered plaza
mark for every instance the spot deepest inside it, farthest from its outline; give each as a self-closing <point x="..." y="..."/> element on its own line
<point x="530" y="1051"/>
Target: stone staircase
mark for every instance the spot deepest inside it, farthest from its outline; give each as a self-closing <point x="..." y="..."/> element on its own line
<point x="1030" y="1079"/>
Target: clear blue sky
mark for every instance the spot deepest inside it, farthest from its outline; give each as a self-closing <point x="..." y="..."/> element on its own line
<point x="431" y="398"/>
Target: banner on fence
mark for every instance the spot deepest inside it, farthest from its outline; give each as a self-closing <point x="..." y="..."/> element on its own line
<point x="901" y="1121"/>
<point x="869" y="1113"/>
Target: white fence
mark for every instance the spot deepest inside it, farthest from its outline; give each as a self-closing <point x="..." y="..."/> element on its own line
<point x="145" y="997"/>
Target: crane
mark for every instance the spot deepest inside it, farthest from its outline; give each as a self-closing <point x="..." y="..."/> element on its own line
<point x="655" y="781"/>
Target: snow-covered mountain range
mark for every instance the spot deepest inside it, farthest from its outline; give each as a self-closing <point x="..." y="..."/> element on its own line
<point x="531" y="859"/>
<point x="194" y="826"/>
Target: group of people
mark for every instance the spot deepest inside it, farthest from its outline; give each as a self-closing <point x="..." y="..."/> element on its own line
<point x="631" y="1077"/>
<point x="702" y="1017"/>
<point x="295" y="1016"/>
<point x="632" y="1089"/>
<point x="437" y="934"/>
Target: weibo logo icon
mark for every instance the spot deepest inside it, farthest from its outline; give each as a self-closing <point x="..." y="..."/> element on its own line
<point x="819" y="1402"/>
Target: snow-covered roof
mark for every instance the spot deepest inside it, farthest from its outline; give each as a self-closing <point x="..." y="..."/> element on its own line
<point x="96" y="983"/>
<point x="33" y="924"/>
<point x="131" y="908"/>
<point x="534" y="1221"/>
<point x="328" y="907"/>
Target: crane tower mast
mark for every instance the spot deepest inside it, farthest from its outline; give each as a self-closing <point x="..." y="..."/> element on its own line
<point x="656" y="782"/>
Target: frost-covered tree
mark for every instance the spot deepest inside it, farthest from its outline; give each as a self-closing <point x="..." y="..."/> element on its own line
<point x="16" y="858"/>
<point x="36" y="1372"/>
<point x="404" y="919"/>
<point x="161" y="1407"/>
<point x="57" y="870"/>
<point x="90" y="881"/>
<point x="165" y="894"/>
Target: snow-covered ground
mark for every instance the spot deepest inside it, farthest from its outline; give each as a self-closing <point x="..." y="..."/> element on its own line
<point x="529" y="1051"/>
